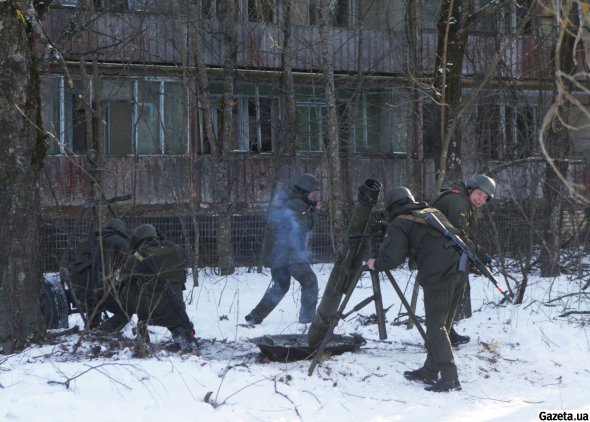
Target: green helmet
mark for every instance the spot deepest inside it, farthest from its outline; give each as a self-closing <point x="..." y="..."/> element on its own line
<point x="141" y="233"/>
<point x="307" y="182"/>
<point x="398" y="196"/>
<point x="484" y="183"/>
<point x="117" y="225"/>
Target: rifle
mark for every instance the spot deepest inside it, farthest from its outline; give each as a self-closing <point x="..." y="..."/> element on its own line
<point x="433" y="221"/>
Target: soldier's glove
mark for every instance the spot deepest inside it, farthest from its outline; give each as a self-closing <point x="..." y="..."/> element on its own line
<point x="487" y="260"/>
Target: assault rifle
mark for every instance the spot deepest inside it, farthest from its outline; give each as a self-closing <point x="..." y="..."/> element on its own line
<point x="433" y="221"/>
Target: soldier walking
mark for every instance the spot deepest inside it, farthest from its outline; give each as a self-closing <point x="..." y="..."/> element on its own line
<point x="286" y="251"/>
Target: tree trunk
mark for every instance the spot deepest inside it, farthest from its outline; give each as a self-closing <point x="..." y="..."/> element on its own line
<point x="289" y="129"/>
<point x="414" y="146"/>
<point x="22" y="151"/>
<point x="223" y="188"/>
<point x="331" y="133"/>
<point x="452" y="42"/>
<point x="557" y="143"/>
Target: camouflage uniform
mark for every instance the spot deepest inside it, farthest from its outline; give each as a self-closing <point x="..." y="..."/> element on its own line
<point x="287" y="255"/>
<point x="438" y="274"/>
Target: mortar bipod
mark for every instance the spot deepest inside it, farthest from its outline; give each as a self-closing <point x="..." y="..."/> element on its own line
<point x="379" y="311"/>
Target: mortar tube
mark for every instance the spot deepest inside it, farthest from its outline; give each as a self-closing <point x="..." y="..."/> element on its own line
<point x="348" y="262"/>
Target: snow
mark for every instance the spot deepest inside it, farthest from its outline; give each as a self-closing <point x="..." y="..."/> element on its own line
<point x="521" y="360"/>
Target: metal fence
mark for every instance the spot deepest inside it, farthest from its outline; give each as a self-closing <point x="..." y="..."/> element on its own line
<point x="504" y="228"/>
<point x="247" y="234"/>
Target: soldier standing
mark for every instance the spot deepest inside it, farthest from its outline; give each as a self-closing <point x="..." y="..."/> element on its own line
<point x="286" y="251"/>
<point x="408" y="234"/>
<point x="458" y="204"/>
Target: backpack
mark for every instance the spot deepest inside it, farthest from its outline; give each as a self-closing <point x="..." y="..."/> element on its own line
<point x="84" y="265"/>
<point x="419" y="216"/>
<point x="167" y="260"/>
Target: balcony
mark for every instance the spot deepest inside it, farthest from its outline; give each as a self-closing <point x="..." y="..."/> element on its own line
<point x="143" y="38"/>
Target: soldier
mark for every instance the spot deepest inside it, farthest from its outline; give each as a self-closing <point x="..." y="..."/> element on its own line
<point x="458" y="204"/>
<point x="286" y="251"/>
<point x="408" y="234"/>
<point x="152" y="283"/>
<point x="93" y="268"/>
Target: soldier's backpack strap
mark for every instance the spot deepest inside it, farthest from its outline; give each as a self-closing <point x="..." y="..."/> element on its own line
<point x="419" y="216"/>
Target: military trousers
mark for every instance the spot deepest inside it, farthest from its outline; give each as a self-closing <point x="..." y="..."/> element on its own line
<point x="156" y="303"/>
<point x="281" y="281"/>
<point x="440" y="306"/>
<point x="464" y="308"/>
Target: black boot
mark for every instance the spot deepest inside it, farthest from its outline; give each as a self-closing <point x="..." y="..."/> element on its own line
<point x="444" y="386"/>
<point x="184" y="338"/>
<point x="423" y="375"/>
<point x="457" y="339"/>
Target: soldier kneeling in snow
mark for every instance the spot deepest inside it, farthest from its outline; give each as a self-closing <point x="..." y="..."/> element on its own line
<point x="153" y="279"/>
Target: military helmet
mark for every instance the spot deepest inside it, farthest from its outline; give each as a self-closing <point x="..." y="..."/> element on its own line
<point x="117" y="225"/>
<point x="307" y="182"/>
<point x="484" y="183"/>
<point x="398" y="196"/>
<point x="141" y="233"/>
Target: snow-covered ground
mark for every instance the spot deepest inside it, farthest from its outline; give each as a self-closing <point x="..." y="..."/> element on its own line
<point x="522" y="360"/>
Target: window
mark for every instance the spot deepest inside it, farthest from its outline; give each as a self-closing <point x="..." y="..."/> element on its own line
<point x="50" y="113"/>
<point x="380" y="124"/>
<point x="112" y="5"/>
<point x="116" y="97"/>
<point x="141" y="116"/>
<point x="309" y="126"/>
<point x="506" y="132"/>
<point x="209" y="8"/>
<point x="260" y="124"/>
<point x="340" y="11"/>
<point x="149" y="6"/>
<point x="430" y="129"/>
<point x="64" y="115"/>
<point x="256" y="121"/>
<point x="506" y="19"/>
<point x="489" y="132"/>
<point x="430" y="12"/>
<point x="69" y="2"/>
<point x="261" y="10"/>
<point x="376" y="125"/>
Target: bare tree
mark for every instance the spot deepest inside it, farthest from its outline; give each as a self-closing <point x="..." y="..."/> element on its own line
<point x="555" y="135"/>
<point x="330" y="129"/>
<point x="457" y="19"/>
<point x="22" y="150"/>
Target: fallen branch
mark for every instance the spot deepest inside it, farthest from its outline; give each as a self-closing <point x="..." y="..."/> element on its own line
<point x="574" y="313"/>
<point x="91" y="368"/>
<point x="287" y="397"/>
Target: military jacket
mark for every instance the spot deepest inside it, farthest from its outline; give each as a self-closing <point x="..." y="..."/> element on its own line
<point x="287" y="230"/>
<point x="456" y="206"/>
<point x="157" y="261"/>
<point x="84" y="263"/>
<point x="431" y="252"/>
